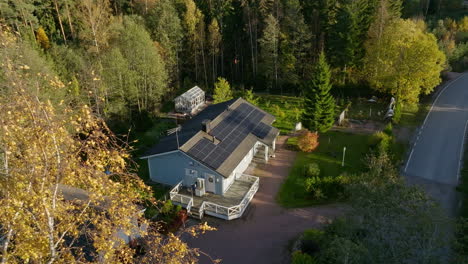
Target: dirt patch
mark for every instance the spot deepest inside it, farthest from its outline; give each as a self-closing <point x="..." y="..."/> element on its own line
<point x="360" y="127"/>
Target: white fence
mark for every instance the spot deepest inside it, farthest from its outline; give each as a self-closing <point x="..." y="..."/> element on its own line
<point x="217" y="210"/>
<point x="183" y="200"/>
<point x="235" y="211"/>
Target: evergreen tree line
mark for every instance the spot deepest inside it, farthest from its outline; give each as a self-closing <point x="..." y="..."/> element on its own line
<point x="126" y="58"/>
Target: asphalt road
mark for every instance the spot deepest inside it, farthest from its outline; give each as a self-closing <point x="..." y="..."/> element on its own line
<point x="434" y="161"/>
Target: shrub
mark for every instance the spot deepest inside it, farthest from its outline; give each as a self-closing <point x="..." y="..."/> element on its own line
<point x="313" y="234"/>
<point x="397" y="113"/>
<point x="169" y="212"/>
<point x="278" y="111"/>
<point x="308" y="141"/>
<point x="381" y="141"/>
<point x="388" y="129"/>
<point x="384" y="144"/>
<point x="327" y="187"/>
<point x="302" y="258"/>
<point x="297" y="113"/>
<point x="311" y="170"/>
<point x="250" y="96"/>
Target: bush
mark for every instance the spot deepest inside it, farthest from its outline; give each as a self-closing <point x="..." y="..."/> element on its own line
<point x="313" y="234"/>
<point x="381" y="141"/>
<point x="388" y="129"/>
<point x="302" y="258"/>
<point x="169" y="212"/>
<point x="308" y="141"/>
<point x="327" y="187"/>
<point x="311" y="170"/>
<point x="278" y="111"/>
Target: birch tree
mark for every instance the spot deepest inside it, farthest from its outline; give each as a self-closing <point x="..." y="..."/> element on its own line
<point x="66" y="188"/>
<point x="95" y="17"/>
<point x="405" y="61"/>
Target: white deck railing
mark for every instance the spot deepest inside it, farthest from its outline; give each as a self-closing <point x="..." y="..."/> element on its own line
<point x="235" y="211"/>
<point x="225" y="212"/>
<point x="183" y="200"/>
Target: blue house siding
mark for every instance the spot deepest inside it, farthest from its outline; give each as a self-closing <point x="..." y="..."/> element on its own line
<point x="171" y="168"/>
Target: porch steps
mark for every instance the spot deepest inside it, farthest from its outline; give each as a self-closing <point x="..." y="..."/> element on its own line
<point x="194" y="212"/>
<point x="259" y="156"/>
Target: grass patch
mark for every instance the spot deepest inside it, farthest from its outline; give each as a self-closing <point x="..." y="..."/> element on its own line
<point x="414" y="115"/>
<point x="328" y="156"/>
<point x="286" y="109"/>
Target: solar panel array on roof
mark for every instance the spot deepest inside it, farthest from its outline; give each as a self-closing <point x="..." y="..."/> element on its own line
<point x="261" y="131"/>
<point x="231" y="131"/>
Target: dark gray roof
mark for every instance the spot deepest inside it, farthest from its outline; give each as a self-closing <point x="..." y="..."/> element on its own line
<point x="189" y="129"/>
<point x="234" y="131"/>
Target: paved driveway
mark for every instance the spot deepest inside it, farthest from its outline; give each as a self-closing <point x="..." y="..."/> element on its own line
<point x="262" y="235"/>
<point x="434" y="161"/>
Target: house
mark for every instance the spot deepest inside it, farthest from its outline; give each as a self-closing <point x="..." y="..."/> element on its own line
<point x="190" y="101"/>
<point x="211" y="151"/>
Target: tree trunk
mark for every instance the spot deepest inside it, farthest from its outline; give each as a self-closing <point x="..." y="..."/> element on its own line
<point x="251" y="44"/>
<point x="427" y="7"/>
<point x="70" y="24"/>
<point x="204" y="63"/>
<point x="60" y="22"/>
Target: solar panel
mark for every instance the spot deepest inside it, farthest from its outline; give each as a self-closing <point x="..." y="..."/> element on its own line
<point x="261" y="130"/>
<point x="231" y="131"/>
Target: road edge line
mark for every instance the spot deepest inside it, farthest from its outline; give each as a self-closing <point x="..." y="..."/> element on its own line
<point x="428" y="113"/>
<point x="441" y="92"/>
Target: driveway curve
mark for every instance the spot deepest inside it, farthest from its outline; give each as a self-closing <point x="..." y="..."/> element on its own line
<point x="262" y="235"/>
<point x="434" y="161"/>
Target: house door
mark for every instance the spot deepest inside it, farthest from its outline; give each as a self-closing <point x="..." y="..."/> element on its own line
<point x="210" y="182"/>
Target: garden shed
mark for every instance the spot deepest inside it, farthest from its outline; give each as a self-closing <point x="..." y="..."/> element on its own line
<point x="190" y="101"/>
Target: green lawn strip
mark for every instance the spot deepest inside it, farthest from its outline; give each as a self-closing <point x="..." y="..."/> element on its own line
<point x="328" y="156"/>
<point x="414" y="115"/>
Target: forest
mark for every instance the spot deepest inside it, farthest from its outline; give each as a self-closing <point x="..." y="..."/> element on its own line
<point x="74" y="73"/>
<point x="128" y="59"/>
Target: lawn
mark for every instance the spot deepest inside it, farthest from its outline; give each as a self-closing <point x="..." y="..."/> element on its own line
<point x="286" y="109"/>
<point x="329" y="157"/>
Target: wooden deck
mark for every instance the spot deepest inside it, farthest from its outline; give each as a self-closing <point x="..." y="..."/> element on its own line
<point x="233" y="196"/>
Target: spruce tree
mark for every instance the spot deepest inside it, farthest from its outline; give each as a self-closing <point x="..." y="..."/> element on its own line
<point x="319" y="104"/>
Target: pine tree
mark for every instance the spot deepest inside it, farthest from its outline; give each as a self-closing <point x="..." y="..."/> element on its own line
<point x="319" y="114"/>
<point x="269" y="44"/>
